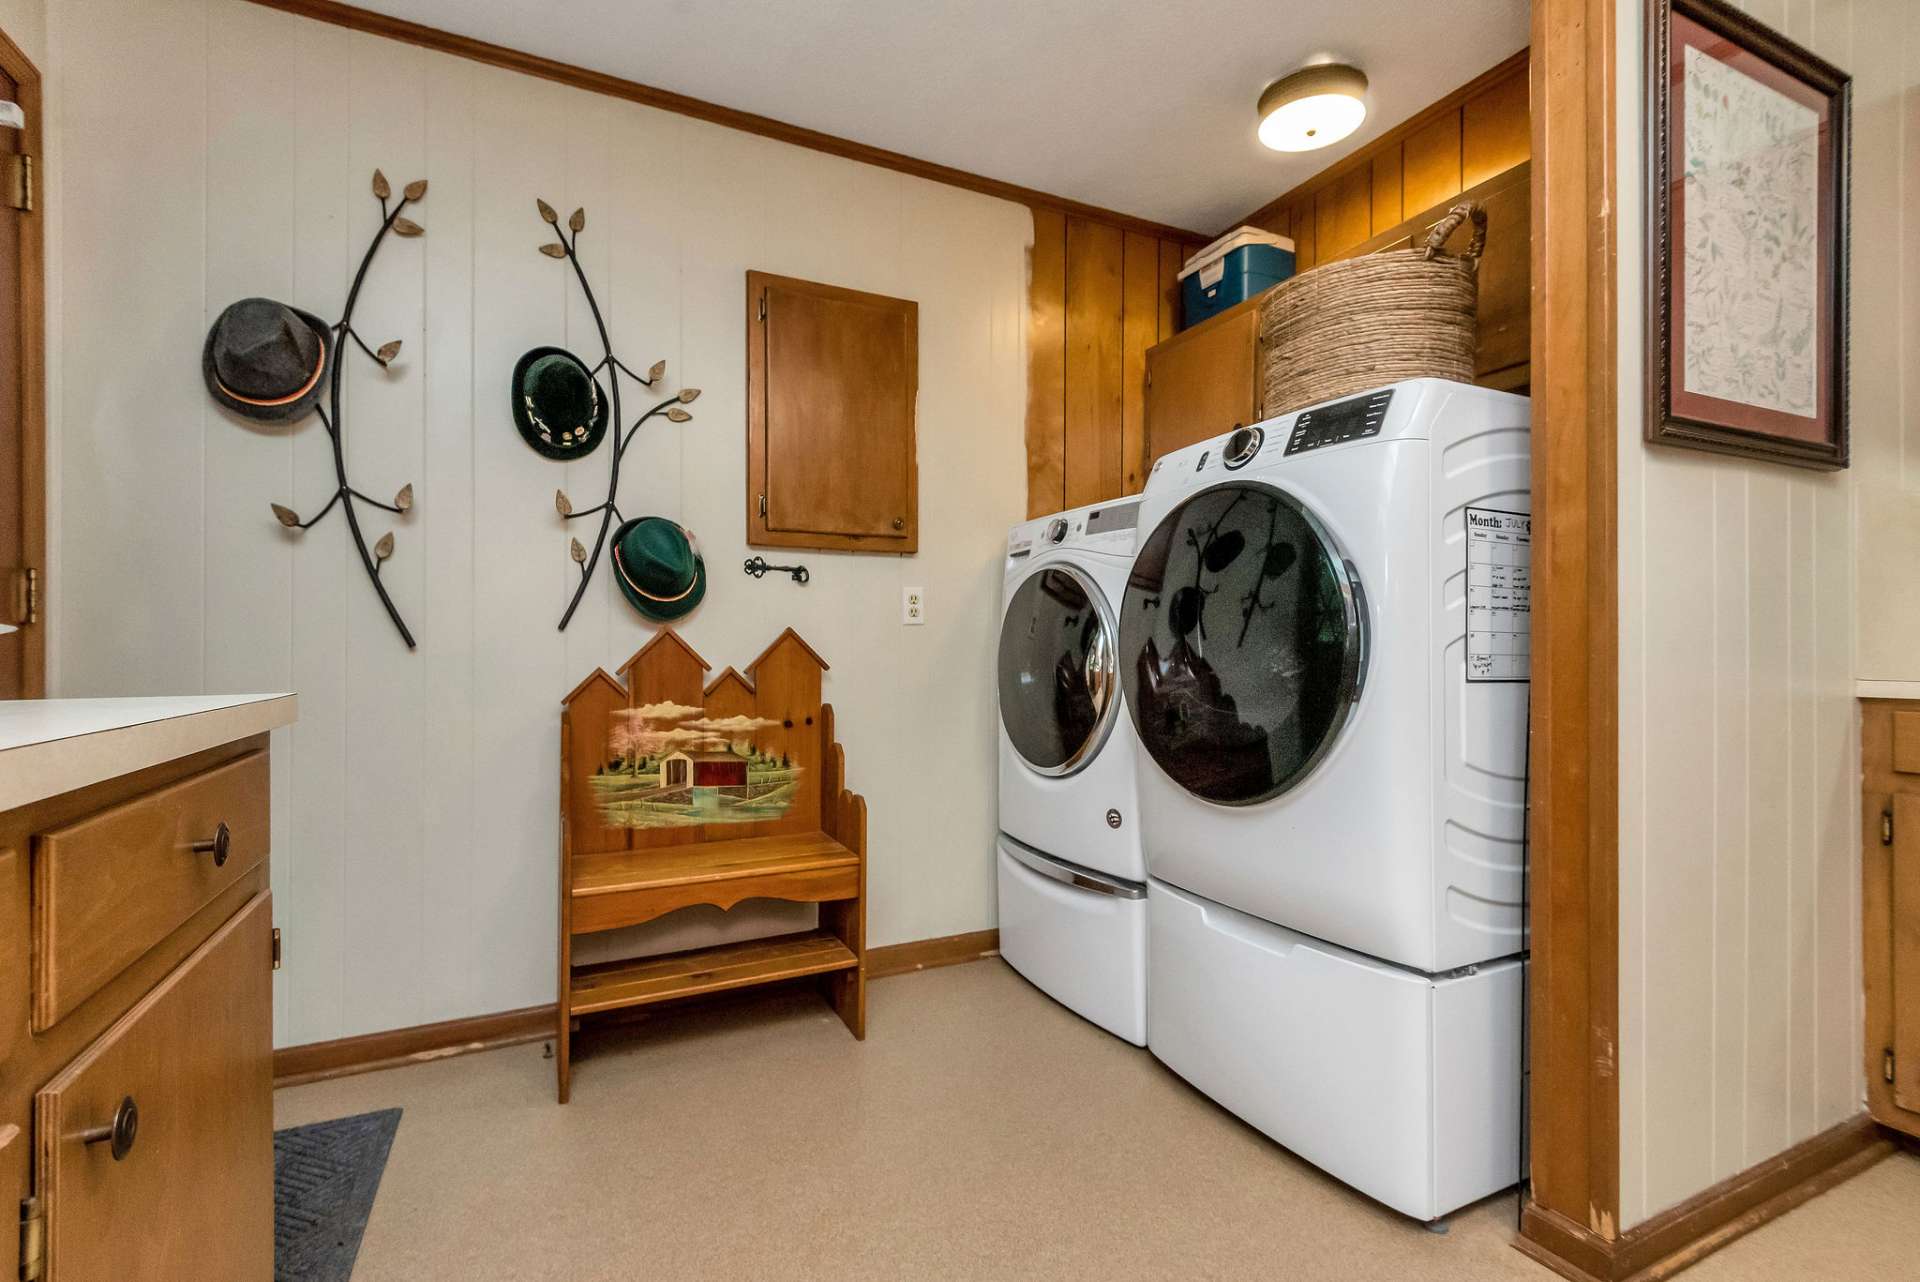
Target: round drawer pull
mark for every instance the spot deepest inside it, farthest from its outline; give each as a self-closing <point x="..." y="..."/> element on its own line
<point x="217" y="845"/>
<point x="121" y="1133"/>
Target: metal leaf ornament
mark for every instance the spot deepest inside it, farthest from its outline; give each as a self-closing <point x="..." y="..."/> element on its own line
<point x="333" y="412"/>
<point x="608" y="509"/>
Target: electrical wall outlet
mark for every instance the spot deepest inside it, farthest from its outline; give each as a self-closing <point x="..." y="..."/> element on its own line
<point x="913" y="606"/>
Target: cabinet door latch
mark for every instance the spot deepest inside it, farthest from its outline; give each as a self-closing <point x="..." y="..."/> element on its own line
<point x="276" y="948"/>
<point x="1886" y="1064"/>
<point x="1886" y="827"/>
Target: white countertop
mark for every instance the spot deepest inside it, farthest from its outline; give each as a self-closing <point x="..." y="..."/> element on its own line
<point x="51" y="746"/>
<point x="1887" y="689"/>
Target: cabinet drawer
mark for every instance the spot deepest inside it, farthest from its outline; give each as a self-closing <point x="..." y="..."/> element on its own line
<point x="191" y="1196"/>
<point x="110" y="886"/>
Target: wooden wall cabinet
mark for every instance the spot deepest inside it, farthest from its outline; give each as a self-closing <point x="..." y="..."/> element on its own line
<point x="136" y="1026"/>
<point x="1204" y="381"/>
<point x="1890" y="908"/>
<point x="832" y="377"/>
<point x="1207" y="380"/>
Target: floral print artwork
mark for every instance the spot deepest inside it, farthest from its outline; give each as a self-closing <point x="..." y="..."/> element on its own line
<point x="1752" y="199"/>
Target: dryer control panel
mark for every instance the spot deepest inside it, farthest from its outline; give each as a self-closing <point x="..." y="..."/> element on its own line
<point x="1343" y="421"/>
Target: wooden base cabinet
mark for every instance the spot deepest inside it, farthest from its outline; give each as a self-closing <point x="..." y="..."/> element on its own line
<point x="1890" y="909"/>
<point x="136" y="1026"/>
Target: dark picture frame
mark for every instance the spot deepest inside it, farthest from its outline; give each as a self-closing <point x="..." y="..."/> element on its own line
<point x="1783" y="400"/>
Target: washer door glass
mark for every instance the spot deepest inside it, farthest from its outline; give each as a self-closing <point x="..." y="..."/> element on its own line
<point x="1057" y="681"/>
<point x="1242" y="643"/>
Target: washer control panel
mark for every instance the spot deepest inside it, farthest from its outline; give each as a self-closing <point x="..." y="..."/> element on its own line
<point x="1242" y="447"/>
<point x="1336" y="424"/>
<point x="1107" y="526"/>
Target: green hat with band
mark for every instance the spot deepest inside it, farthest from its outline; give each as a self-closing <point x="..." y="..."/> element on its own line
<point x="658" y="568"/>
<point x="557" y="403"/>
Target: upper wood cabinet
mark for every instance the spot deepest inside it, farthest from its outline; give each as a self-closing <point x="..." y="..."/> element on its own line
<point x="832" y="376"/>
<point x="1207" y="380"/>
<point x="1204" y="381"/>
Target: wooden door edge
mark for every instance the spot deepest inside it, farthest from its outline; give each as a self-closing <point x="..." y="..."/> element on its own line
<point x="33" y="367"/>
<point x="1573" y="831"/>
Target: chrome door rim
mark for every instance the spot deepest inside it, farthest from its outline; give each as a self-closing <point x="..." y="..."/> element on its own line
<point x="1107" y="695"/>
<point x="1353" y="666"/>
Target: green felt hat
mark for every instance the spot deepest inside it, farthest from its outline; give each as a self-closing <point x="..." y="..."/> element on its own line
<point x="557" y="404"/>
<point x="658" y="568"/>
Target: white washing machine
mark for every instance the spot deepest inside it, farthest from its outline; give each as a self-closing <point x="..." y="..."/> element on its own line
<point x="1072" y="883"/>
<point x="1323" y="646"/>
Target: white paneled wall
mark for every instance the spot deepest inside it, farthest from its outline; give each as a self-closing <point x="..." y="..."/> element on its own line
<point x="214" y="149"/>
<point x="1740" y="1028"/>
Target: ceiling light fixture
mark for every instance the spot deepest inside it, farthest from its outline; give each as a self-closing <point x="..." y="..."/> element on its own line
<point x="1314" y="107"/>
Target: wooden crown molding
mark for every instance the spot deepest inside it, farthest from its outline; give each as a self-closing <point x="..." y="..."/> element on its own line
<point x="414" y="33"/>
<point x="1506" y="69"/>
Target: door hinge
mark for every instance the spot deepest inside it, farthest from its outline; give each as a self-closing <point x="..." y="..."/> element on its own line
<point x="276" y="948"/>
<point x="23" y="596"/>
<point x="33" y="1240"/>
<point x="1886" y="827"/>
<point x="19" y="180"/>
<point x="763" y="507"/>
<point x="1886" y="1064"/>
<point x="763" y="307"/>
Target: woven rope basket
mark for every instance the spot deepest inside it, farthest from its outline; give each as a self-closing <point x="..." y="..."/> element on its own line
<point x="1361" y="322"/>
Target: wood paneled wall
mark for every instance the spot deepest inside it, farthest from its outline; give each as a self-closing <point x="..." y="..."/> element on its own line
<point x="1100" y="296"/>
<point x="1475" y="133"/>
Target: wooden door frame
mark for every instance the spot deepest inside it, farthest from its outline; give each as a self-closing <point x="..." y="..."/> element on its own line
<point x="1572" y="1214"/>
<point x="33" y="367"/>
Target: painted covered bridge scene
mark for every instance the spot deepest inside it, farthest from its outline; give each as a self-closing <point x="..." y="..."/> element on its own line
<point x="671" y="765"/>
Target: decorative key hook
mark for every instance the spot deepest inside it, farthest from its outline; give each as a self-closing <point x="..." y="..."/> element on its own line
<point x="757" y="566"/>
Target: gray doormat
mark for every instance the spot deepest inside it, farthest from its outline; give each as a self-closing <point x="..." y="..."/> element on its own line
<point x="324" y="1179"/>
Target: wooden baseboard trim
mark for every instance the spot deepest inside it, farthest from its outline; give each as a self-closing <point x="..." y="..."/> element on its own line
<point x="318" y="1061"/>
<point x="1684" y="1234"/>
<point x="925" y="954"/>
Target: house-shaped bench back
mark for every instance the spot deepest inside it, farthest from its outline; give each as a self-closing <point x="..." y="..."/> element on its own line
<point x="662" y="756"/>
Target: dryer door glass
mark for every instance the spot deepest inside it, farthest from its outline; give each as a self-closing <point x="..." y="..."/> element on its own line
<point x="1242" y="643"/>
<point x="1057" y="680"/>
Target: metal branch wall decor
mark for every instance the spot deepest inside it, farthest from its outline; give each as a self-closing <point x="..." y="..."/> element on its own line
<point x="672" y="407"/>
<point x="333" y="413"/>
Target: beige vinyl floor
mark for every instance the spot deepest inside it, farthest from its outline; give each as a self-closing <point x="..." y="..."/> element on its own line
<point x="981" y="1132"/>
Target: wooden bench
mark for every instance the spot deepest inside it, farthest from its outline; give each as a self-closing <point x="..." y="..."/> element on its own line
<point x="675" y="792"/>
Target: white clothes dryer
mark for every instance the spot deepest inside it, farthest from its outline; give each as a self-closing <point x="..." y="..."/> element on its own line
<point x="1072" y="889"/>
<point x="1323" y="646"/>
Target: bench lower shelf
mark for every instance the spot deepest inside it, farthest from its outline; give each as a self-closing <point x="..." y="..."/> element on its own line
<point x="613" y="985"/>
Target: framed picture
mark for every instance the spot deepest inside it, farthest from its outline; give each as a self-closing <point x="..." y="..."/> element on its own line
<point x="1746" y="239"/>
